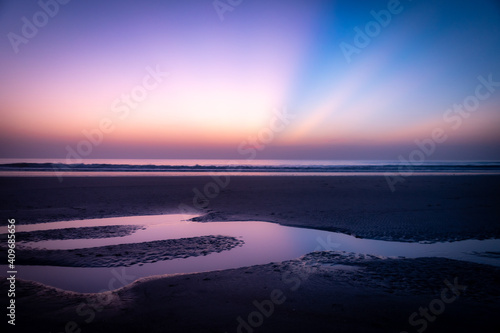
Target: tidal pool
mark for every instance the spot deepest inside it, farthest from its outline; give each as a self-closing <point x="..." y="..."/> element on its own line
<point x="264" y="243"/>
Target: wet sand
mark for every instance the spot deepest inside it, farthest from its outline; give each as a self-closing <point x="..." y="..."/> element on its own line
<point x="320" y="292"/>
<point x="124" y="255"/>
<point x="423" y="208"/>
<point x="324" y="291"/>
<point x="75" y="233"/>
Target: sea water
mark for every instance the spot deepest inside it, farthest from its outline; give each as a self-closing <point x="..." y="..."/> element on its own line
<point x="263" y="243"/>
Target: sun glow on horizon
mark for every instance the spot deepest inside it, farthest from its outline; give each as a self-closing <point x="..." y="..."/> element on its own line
<point x="226" y="78"/>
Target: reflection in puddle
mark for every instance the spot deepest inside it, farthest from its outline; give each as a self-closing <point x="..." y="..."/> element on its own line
<point x="264" y="243"/>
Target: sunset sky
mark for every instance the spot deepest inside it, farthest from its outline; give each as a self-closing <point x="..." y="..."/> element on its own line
<point x="230" y="72"/>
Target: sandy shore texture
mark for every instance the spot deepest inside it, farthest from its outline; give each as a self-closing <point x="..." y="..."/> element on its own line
<point x="124" y="255"/>
<point x="107" y="231"/>
<point x="320" y="292"/>
<point x="423" y="208"/>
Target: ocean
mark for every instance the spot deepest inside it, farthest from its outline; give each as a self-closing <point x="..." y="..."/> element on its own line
<point x="194" y="167"/>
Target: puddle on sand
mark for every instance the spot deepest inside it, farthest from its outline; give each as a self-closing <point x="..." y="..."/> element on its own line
<point x="264" y="243"/>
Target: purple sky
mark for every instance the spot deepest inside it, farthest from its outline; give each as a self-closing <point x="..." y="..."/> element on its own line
<point x="351" y="80"/>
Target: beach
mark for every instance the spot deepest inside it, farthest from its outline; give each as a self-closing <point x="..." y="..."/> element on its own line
<point x="309" y="295"/>
<point x="235" y="166"/>
<point x="422" y="208"/>
<point x="321" y="291"/>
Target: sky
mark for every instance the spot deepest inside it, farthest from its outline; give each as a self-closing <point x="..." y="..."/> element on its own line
<point x="250" y="79"/>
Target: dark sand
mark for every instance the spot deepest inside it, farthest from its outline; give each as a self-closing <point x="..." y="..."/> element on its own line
<point x="423" y="208"/>
<point x="321" y="292"/>
<point x="332" y="292"/>
<point x="107" y="231"/>
<point x="124" y="255"/>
